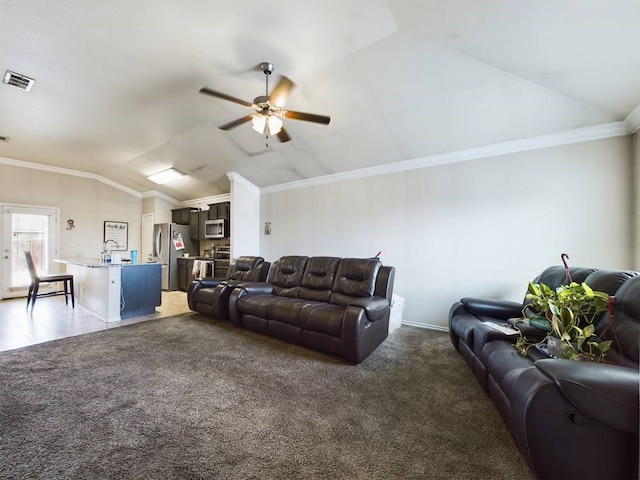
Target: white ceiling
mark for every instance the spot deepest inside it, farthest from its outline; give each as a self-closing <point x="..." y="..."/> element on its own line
<point x="117" y="82"/>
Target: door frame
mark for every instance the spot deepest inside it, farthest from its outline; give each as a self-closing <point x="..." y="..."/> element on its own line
<point x="5" y="241"/>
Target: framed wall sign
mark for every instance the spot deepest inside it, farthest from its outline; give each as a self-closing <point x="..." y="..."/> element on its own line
<point x="118" y="232"/>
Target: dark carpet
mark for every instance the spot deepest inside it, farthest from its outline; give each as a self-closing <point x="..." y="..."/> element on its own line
<point x="192" y="398"/>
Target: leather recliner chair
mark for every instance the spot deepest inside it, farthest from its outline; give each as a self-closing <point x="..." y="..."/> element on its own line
<point x="210" y="296"/>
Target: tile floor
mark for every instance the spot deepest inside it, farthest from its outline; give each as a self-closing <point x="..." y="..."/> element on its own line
<point x="52" y="319"/>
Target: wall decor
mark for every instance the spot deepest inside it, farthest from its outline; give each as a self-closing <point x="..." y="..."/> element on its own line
<point x="118" y="232"/>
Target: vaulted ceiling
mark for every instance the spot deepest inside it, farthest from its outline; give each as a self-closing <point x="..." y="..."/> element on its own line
<point x="116" y="82"/>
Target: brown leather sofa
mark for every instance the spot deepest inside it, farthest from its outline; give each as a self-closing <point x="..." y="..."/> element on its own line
<point x="339" y="306"/>
<point x="569" y="419"/>
<point x="210" y="296"/>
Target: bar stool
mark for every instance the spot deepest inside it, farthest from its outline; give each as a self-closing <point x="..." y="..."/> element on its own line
<point x="36" y="280"/>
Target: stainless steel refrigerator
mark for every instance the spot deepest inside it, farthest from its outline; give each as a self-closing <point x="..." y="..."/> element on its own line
<point x="170" y="242"/>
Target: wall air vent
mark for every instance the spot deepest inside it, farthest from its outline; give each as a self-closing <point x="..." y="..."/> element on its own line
<point x="17" y="80"/>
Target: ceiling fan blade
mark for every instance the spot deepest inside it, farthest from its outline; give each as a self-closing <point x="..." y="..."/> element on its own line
<point x="235" y="123"/>
<point x="281" y="91"/>
<point x="283" y="136"/>
<point x="224" y="96"/>
<point x="307" y="117"/>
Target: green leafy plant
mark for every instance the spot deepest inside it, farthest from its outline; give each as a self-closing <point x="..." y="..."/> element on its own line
<point x="570" y="310"/>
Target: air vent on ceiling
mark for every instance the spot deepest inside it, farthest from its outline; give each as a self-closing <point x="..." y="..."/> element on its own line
<point x="17" y="80"/>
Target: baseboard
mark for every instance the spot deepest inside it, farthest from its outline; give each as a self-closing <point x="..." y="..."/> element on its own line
<point x="427" y="326"/>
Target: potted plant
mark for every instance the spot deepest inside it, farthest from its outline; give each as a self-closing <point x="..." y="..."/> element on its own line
<point x="570" y="311"/>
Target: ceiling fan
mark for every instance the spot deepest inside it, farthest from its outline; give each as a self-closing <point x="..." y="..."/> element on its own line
<point x="269" y="109"/>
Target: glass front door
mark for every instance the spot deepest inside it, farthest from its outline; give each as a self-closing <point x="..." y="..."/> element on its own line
<point x="26" y="229"/>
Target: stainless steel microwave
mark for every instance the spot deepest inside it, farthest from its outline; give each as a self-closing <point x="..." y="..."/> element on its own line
<point x="216" y="228"/>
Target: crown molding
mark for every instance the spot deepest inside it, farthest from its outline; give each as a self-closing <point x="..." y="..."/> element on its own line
<point x="200" y="202"/>
<point x="578" y="135"/>
<point x="163" y="196"/>
<point x="633" y="120"/>
<point x="67" y="171"/>
<point x="236" y="177"/>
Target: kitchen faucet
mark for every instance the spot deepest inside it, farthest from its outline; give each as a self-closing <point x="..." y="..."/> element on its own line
<point x="106" y="253"/>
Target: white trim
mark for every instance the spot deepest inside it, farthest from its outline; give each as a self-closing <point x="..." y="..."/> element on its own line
<point x="633" y="120"/>
<point x="426" y="326"/>
<point x="68" y="171"/>
<point x="155" y="193"/>
<point x="199" y="202"/>
<point x="597" y="132"/>
<point x="233" y="176"/>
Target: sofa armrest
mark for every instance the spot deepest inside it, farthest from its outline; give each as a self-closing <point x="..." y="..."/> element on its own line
<point x="606" y="393"/>
<point x="253" y="288"/>
<point x="501" y="309"/>
<point x="194" y="286"/>
<point x="239" y="291"/>
<point x="209" y="282"/>
<point x="375" y="308"/>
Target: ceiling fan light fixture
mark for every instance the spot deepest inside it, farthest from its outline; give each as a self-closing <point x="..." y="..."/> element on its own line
<point x="258" y="123"/>
<point x="275" y="125"/>
<point x="166" y="176"/>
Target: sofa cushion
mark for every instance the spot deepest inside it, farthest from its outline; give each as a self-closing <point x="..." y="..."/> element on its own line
<point x="323" y="318"/>
<point x="554" y="276"/>
<point x="285" y="309"/>
<point x="356" y="277"/>
<point x="245" y="268"/>
<point x="504" y="363"/>
<point x="623" y="328"/>
<point x="318" y="278"/>
<point x="287" y="275"/>
<point x="255" y="305"/>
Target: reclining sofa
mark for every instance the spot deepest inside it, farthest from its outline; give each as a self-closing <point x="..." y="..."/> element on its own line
<point x="569" y="419"/>
<point x="339" y="306"/>
<point x="210" y="296"/>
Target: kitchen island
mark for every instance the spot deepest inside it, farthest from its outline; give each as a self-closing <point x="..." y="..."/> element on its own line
<point x="116" y="291"/>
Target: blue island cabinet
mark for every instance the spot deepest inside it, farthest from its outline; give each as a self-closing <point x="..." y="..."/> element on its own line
<point x="112" y="292"/>
<point x="141" y="290"/>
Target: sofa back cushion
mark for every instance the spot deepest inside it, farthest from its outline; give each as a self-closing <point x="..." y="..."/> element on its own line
<point x="286" y="275"/>
<point x="623" y="328"/>
<point x="355" y="277"/>
<point x="318" y="278"/>
<point x="555" y="276"/>
<point x="607" y="281"/>
<point x="245" y="268"/>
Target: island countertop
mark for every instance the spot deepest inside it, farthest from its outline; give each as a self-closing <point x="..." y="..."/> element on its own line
<point x="96" y="263"/>
<point x="114" y="291"/>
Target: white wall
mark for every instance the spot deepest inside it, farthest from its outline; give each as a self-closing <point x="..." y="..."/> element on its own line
<point x="478" y="228"/>
<point x="88" y="202"/>
<point x="245" y="216"/>
<point x="160" y="207"/>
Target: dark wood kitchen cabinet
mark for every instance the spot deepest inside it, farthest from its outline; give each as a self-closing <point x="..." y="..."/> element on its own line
<point x="219" y="211"/>
<point x="182" y="216"/>
<point x="185" y="270"/>
<point x="224" y="210"/>
<point x="203" y="216"/>
<point x="194" y="225"/>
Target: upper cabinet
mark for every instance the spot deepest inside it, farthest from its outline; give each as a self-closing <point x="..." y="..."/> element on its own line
<point x="194" y="225"/>
<point x="182" y="216"/>
<point x="219" y="211"/>
<point x="224" y="210"/>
